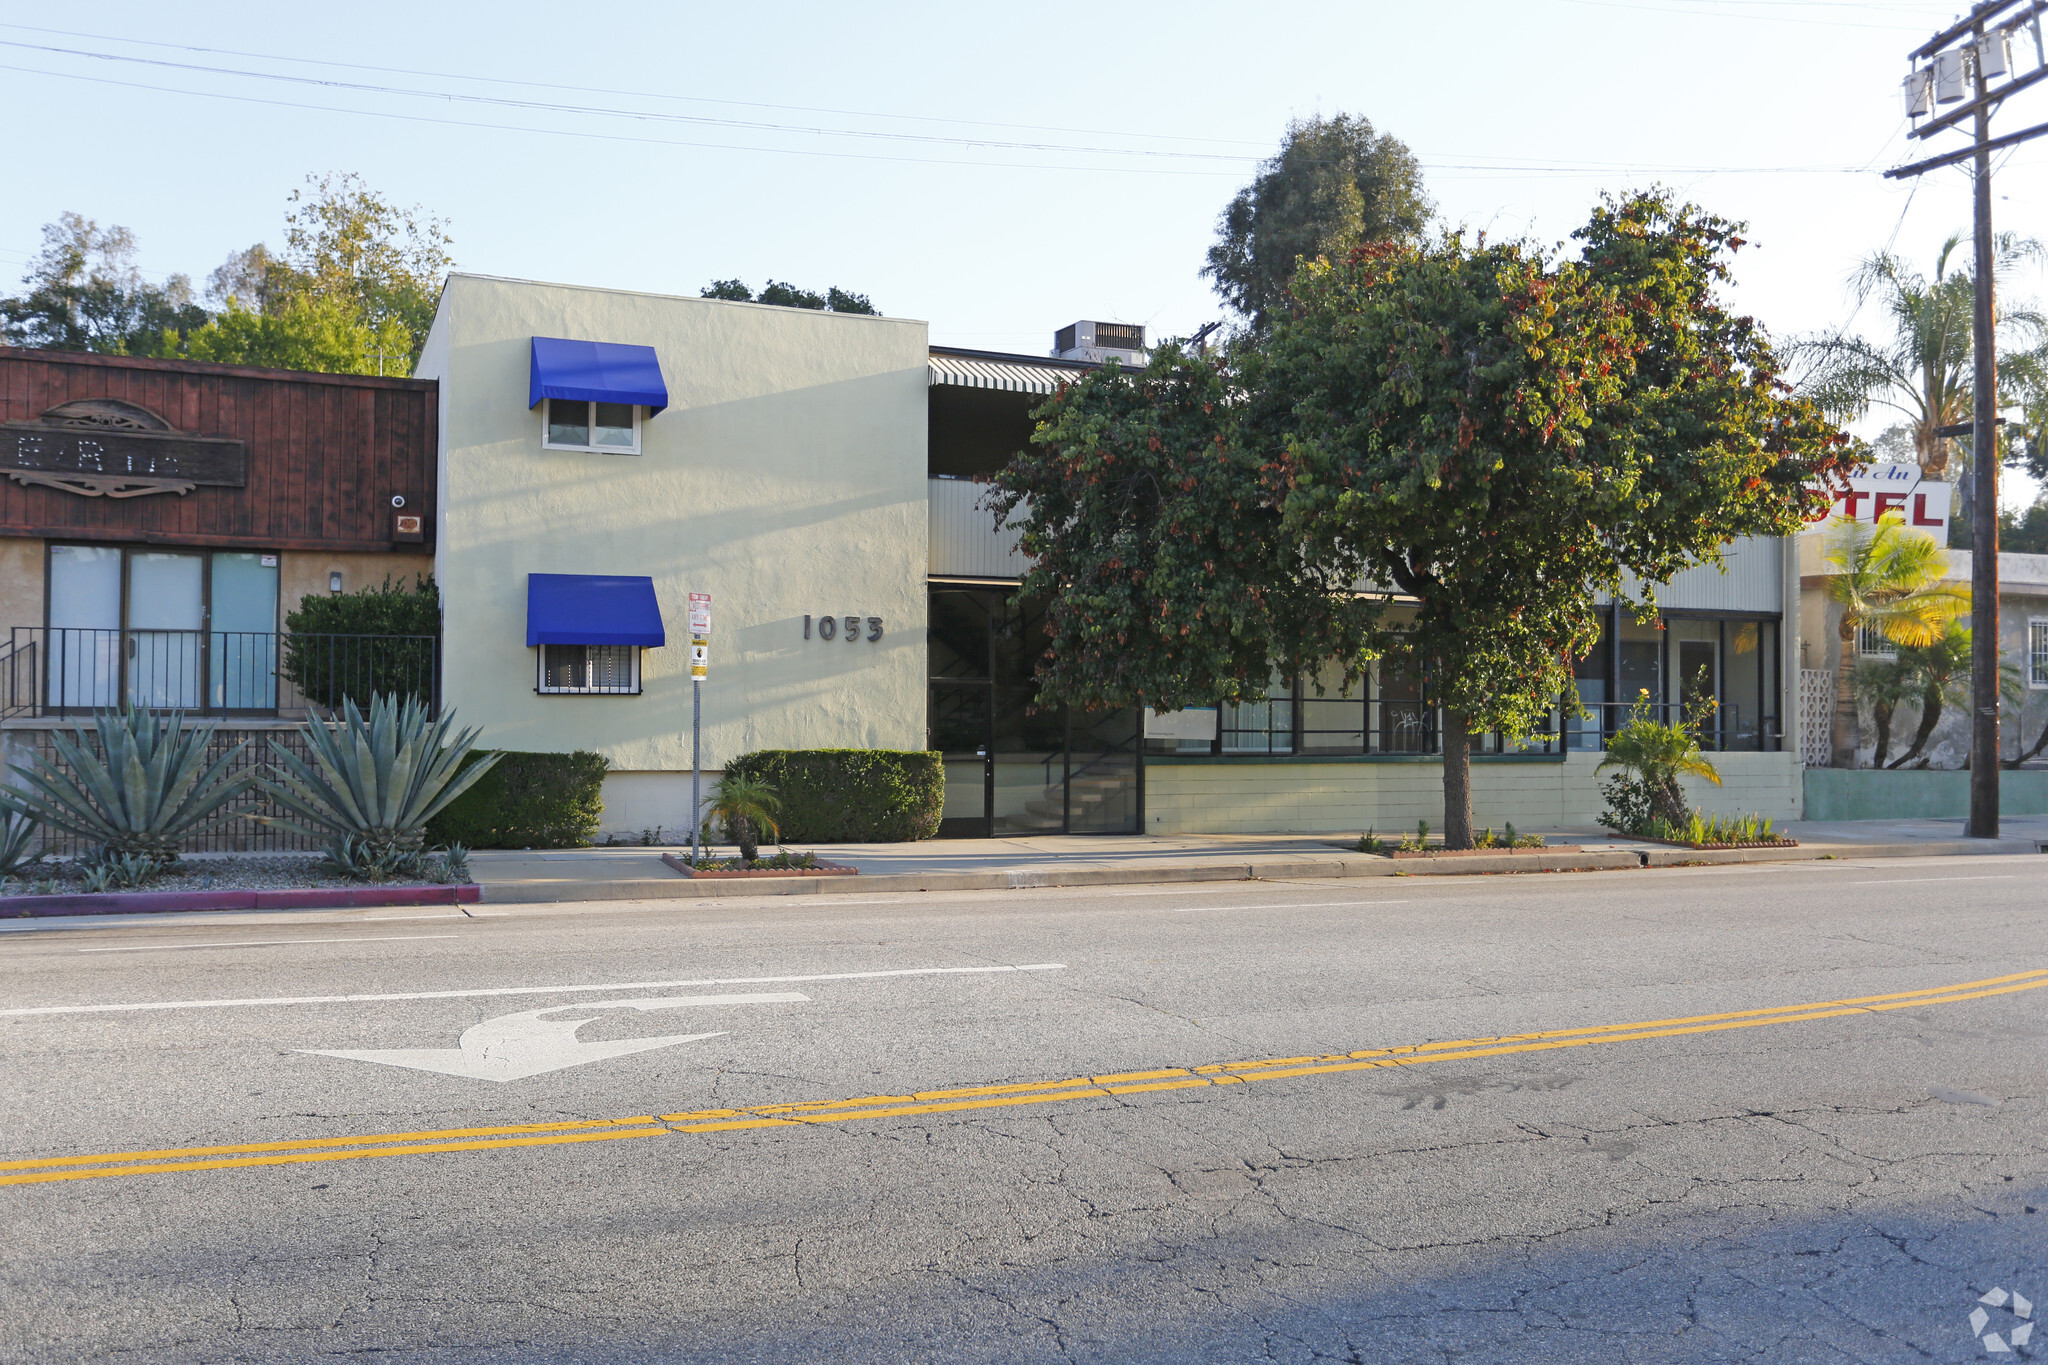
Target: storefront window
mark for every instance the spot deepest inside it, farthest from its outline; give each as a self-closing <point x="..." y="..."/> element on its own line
<point x="170" y="629"/>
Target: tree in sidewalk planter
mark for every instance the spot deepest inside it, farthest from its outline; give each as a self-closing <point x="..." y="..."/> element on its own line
<point x="1495" y="434"/>
<point x="1653" y="755"/>
<point x="135" y="794"/>
<point x="746" y="807"/>
<point x="1888" y="578"/>
<point x="373" y="785"/>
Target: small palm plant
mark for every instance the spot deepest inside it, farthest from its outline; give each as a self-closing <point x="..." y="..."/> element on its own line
<point x="1656" y="755"/>
<point x="145" y="786"/>
<point x="745" y="806"/>
<point x="373" y="785"/>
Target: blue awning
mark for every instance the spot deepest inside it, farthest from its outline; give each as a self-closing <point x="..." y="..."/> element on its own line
<point x="596" y="371"/>
<point x="592" y="609"/>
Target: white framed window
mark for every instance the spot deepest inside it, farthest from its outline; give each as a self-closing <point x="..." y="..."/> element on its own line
<point x="1872" y="644"/>
<point x="2037" y="652"/>
<point x="601" y="670"/>
<point x="609" y="428"/>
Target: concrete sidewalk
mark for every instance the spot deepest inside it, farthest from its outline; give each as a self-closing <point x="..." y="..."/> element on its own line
<point x="1104" y="860"/>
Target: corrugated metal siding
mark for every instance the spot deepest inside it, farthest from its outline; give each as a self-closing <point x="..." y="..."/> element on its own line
<point x="965" y="542"/>
<point x="1754" y="581"/>
<point x="973" y="372"/>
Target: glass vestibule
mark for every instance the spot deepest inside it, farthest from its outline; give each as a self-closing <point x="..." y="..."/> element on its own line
<point x="1717" y="671"/>
<point x="168" y="629"/>
<point x="1014" y="766"/>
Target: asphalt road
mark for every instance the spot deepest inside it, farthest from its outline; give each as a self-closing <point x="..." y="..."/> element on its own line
<point x="1400" y="1121"/>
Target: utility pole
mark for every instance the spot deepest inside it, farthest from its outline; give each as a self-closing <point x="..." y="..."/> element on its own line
<point x="1943" y="74"/>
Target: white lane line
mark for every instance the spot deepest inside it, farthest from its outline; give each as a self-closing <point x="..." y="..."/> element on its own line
<point x="265" y="943"/>
<point x="1303" y="905"/>
<point x="523" y="990"/>
<point x="1908" y="881"/>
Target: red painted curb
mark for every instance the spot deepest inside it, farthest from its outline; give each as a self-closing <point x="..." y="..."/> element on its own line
<point x="302" y="898"/>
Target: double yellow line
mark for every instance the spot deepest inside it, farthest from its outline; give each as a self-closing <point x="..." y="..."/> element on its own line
<point x="178" y="1160"/>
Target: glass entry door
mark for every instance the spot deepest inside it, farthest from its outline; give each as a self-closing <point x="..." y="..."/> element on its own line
<point x="83" y="643"/>
<point x="166" y="625"/>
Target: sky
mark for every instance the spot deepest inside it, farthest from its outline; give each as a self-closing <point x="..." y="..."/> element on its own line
<point x="998" y="171"/>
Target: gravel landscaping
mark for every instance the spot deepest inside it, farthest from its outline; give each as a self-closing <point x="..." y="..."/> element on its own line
<point x="203" y="872"/>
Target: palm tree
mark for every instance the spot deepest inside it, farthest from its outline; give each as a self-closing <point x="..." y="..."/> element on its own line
<point x="1890" y="579"/>
<point x="745" y="806"/>
<point x="1881" y="685"/>
<point x="1659" y="754"/>
<point x="1924" y="371"/>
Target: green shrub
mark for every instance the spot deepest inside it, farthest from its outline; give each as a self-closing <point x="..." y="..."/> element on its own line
<point x="527" y="801"/>
<point x="357" y="645"/>
<point x="851" y="796"/>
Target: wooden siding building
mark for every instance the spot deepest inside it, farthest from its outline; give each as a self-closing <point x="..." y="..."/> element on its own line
<point x="160" y="518"/>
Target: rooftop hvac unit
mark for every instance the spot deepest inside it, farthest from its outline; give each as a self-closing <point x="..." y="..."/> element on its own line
<point x="1100" y="341"/>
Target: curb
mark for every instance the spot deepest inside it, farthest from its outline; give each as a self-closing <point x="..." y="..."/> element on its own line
<point x="169" y="902"/>
<point x="517" y="893"/>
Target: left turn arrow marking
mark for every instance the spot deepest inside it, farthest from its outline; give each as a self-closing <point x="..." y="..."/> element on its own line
<point x="512" y="1047"/>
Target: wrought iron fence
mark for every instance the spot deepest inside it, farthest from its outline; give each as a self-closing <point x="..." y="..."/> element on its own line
<point x="243" y="833"/>
<point x="69" y="671"/>
<point x="1339" y="726"/>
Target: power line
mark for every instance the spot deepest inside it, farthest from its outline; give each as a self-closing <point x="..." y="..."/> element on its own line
<point x="1480" y="168"/>
<point x="636" y="94"/>
<point x="704" y="120"/>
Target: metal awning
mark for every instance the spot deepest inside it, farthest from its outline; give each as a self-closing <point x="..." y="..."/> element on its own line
<point x="1011" y="374"/>
<point x="596" y="372"/>
<point x="592" y="609"/>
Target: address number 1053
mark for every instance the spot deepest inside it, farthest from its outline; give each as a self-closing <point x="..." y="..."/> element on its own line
<point x="847" y="628"/>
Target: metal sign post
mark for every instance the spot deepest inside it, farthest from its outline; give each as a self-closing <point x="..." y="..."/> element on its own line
<point x="700" y="659"/>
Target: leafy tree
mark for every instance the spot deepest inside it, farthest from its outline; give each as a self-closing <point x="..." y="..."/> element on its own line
<point x="833" y="300"/>
<point x="1889" y="578"/>
<point x="86" y="294"/>
<point x="303" y="332"/>
<point x="1334" y="184"/>
<point x="345" y="241"/>
<point x="733" y="291"/>
<point x="2024" y="533"/>
<point x="838" y="300"/>
<point x="1492" y="434"/>
<point x="1924" y="370"/>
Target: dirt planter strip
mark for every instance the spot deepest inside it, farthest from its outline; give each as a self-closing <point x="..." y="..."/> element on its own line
<point x="292" y="898"/>
<point x="1483" y="852"/>
<point x="822" y="869"/>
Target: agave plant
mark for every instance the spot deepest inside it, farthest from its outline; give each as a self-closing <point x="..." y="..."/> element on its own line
<point x="17" y="832"/>
<point x="372" y="785"/>
<point x="146" y="786"/>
